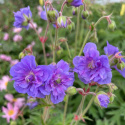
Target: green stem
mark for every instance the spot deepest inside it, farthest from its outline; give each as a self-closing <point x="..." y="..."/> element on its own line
<point x="77" y="30"/>
<point x="65" y="110"/>
<point x="67" y="46"/>
<point x="84" y="42"/>
<point x="56" y="38"/>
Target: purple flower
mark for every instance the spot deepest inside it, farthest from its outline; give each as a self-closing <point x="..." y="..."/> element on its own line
<point x="75" y="3"/>
<point x="61" y="79"/>
<point x="91" y="67"/>
<point x="112" y="51"/>
<point x="22" y="18"/>
<point x="28" y="77"/>
<point x="103" y="100"/>
<point x="32" y="102"/>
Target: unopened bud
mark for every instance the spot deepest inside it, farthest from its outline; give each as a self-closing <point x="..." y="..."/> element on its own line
<point x="74" y="10"/>
<point x="112" y="98"/>
<point x="52" y="15"/>
<point x="21" y="55"/>
<point x="85" y="14"/>
<point x="112" y="25"/>
<point x="59" y="52"/>
<point x="62" y="39"/>
<point x="13" y="123"/>
<point x="62" y="22"/>
<point x="121" y="65"/>
<point x="112" y="87"/>
<point x="71" y="26"/>
<point x="71" y="90"/>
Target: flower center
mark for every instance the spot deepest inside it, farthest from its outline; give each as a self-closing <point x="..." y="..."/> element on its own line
<point x="58" y="81"/>
<point x="91" y="65"/>
<point x="6" y="83"/>
<point x="14" y="100"/>
<point x="30" y="77"/>
<point x="10" y="112"/>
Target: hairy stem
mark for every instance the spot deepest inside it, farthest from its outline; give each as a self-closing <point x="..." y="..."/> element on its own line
<point x="63" y="6"/>
<point x="44" y="51"/>
<point x="90" y="31"/>
<point x="86" y="38"/>
<point x="77" y="30"/>
<point x="79" y="110"/>
<point x="90" y="103"/>
<point x="65" y="110"/>
<point x="55" y="45"/>
<point x="67" y="46"/>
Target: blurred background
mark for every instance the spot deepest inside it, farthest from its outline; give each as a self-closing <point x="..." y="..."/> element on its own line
<point x="13" y="41"/>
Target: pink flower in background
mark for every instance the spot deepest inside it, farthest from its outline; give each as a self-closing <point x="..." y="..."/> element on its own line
<point x="4" y="82"/>
<point x="13" y="62"/>
<point x="19" y="102"/>
<point x="6" y="37"/>
<point x="10" y="112"/>
<point x="17" y="38"/>
<point x="31" y="45"/>
<point x="5" y="57"/>
<point x="17" y="30"/>
<point x="35" y="25"/>
<point x="40" y="30"/>
<point x="40" y="9"/>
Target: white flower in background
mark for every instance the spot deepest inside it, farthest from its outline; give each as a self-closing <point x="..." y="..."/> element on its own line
<point x="4" y="82"/>
<point x="17" y="30"/>
<point x="6" y="37"/>
<point x="17" y="38"/>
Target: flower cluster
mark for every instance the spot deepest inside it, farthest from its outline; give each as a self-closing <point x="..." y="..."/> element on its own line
<point x="42" y="80"/>
<point x="91" y="67"/>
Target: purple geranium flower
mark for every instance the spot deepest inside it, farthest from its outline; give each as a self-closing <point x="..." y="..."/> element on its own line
<point x="32" y="102"/>
<point x="91" y="67"/>
<point x="28" y="77"/>
<point x="112" y="51"/>
<point x="22" y="18"/>
<point x="103" y="100"/>
<point x="61" y="79"/>
<point x="75" y="3"/>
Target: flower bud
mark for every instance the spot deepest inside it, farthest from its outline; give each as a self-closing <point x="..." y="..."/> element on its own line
<point x="13" y="123"/>
<point x="59" y="52"/>
<point x="121" y="65"/>
<point x="52" y="15"/>
<point x="71" y="90"/>
<point x="112" y="25"/>
<point x="112" y="98"/>
<point x="62" y="22"/>
<point x="21" y="55"/>
<point x="71" y="26"/>
<point x="85" y="14"/>
<point x="74" y="10"/>
<point x="112" y="87"/>
<point x="102" y="99"/>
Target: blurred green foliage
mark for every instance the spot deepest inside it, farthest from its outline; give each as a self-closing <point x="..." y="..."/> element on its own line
<point x="115" y="113"/>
